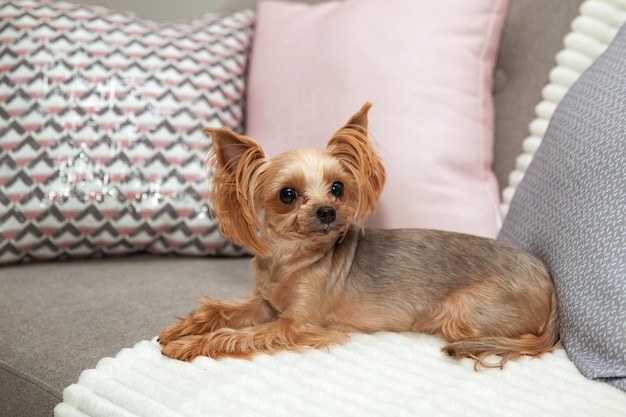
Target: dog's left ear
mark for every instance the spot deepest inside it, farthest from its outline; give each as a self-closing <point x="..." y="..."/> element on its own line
<point x="237" y="162"/>
<point x="357" y="153"/>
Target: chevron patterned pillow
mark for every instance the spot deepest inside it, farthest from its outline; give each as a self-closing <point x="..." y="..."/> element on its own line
<point x="101" y="143"/>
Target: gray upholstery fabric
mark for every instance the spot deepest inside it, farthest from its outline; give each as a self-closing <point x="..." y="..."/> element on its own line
<point x="533" y="34"/>
<point x="570" y="211"/>
<point x="57" y="319"/>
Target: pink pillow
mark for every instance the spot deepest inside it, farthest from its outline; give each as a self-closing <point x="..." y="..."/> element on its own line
<point x="427" y="67"/>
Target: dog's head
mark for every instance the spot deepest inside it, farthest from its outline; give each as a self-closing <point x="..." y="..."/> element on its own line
<point x="299" y="198"/>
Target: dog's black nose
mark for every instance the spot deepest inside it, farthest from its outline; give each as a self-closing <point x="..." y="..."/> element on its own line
<point x="326" y="214"/>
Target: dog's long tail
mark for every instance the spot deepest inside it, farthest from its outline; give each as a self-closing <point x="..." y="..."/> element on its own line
<point x="508" y="347"/>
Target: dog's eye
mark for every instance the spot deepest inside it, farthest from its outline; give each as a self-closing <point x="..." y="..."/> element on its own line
<point x="337" y="189"/>
<point x="288" y="195"/>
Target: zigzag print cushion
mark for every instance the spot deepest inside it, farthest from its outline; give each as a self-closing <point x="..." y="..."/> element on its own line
<point x="101" y="142"/>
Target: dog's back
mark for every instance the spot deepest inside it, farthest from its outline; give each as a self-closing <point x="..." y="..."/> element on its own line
<point x="481" y="295"/>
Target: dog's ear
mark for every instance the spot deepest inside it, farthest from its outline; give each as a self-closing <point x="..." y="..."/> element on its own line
<point x="237" y="162"/>
<point x="359" y="119"/>
<point x="229" y="147"/>
<point x="351" y="146"/>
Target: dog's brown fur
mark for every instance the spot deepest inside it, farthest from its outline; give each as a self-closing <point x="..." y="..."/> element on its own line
<point x="317" y="279"/>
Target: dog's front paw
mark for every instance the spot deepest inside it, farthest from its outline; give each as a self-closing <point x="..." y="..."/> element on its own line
<point x="173" y="332"/>
<point x="186" y="348"/>
<point x="221" y="344"/>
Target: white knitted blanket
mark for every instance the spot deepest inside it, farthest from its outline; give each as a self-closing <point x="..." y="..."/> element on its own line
<point x="384" y="374"/>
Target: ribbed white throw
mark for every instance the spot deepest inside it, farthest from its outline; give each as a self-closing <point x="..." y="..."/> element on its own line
<point x="384" y="374"/>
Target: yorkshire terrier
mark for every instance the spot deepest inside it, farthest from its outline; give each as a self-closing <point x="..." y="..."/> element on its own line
<point x="321" y="274"/>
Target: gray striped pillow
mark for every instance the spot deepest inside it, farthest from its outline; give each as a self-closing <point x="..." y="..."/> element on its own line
<point x="570" y="211"/>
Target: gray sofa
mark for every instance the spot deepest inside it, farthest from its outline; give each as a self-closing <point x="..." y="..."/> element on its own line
<point x="58" y="318"/>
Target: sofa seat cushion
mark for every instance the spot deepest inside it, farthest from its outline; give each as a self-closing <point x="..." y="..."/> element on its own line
<point x="60" y="318"/>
